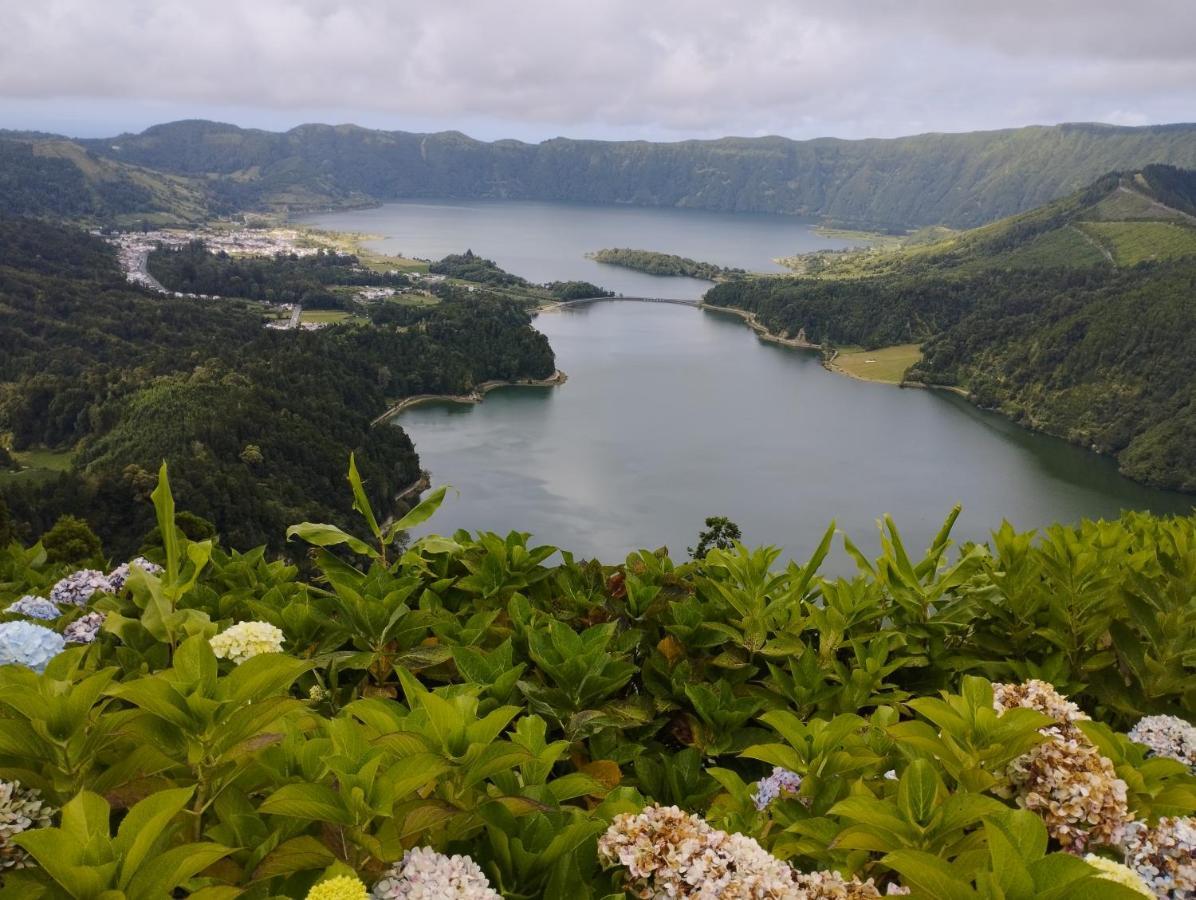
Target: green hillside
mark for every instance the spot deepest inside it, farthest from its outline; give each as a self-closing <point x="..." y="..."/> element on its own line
<point x="961" y="180"/>
<point x="60" y="179"/>
<point x="1077" y="318"/>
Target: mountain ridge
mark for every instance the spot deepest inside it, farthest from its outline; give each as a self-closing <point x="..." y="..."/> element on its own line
<point x="960" y="179"/>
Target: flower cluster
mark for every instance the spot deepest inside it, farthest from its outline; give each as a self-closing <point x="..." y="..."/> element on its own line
<point x="20" y="809"/>
<point x="84" y="630"/>
<point x="34" y="608"/>
<point x="781" y="781"/>
<point x="246" y="640"/>
<point x="118" y="576"/>
<point x="1164" y="856"/>
<point x="1167" y="736"/>
<point x="79" y="587"/>
<point x="669" y="853"/>
<point x="1064" y="779"/>
<point x="26" y="644"/>
<point x="1115" y="871"/>
<point x="424" y="874"/>
<point x="342" y="887"/>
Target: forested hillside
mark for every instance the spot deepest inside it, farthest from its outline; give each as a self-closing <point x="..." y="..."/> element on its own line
<point x="961" y="180"/>
<point x="56" y="178"/>
<point x="255" y="423"/>
<point x="1078" y="318"/>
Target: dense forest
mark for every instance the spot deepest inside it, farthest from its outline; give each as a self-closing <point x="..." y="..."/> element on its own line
<point x="468" y="266"/>
<point x="1075" y="319"/>
<point x="655" y="263"/>
<point x="961" y="180"/>
<point x="256" y="423"/>
<point x="281" y="279"/>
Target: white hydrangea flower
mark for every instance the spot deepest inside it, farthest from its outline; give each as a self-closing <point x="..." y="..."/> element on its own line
<point x="424" y="874"/>
<point x="79" y="587"/>
<point x="246" y="640"/>
<point x="20" y="809"/>
<point x="34" y="608"/>
<point x="669" y="854"/>
<point x="118" y="576"/>
<point x="1064" y="779"/>
<point x="1168" y="736"/>
<point x="1164" y="856"/>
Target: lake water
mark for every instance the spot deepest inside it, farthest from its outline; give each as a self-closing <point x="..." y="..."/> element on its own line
<point x="548" y="241"/>
<point x="672" y="414"/>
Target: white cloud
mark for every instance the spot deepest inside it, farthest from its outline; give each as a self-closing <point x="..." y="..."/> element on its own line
<point x="664" y="68"/>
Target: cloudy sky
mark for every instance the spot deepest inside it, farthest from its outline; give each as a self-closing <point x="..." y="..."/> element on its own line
<point x="658" y="69"/>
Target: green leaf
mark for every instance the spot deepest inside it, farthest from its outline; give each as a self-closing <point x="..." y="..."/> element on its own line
<point x="918" y="790"/>
<point x="928" y="875"/>
<point x="361" y="502"/>
<point x="328" y="536"/>
<point x="169" y="870"/>
<point x="144" y="826"/>
<point x="299" y="854"/>
<point x="307" y="801"/>
<point x="164" y="510"/>
<point x="420" y="513"/>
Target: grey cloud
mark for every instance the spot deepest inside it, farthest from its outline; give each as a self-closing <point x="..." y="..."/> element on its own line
<point x="671" y="68"/>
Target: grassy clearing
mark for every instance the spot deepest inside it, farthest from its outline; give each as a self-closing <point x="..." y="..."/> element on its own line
<point x="354" y="242"/>
<point x="887" y="364"/>
<point x="38" y="465"/>
<point x="323" y="316"/>
<point x="1135" y="242"/>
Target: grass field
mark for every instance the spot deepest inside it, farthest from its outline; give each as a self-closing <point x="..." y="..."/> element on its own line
<point x="887" y="364"/>
<point x="1135" y="242"/>
<point x="323" y="316"/>
<point x="38" y="465"/>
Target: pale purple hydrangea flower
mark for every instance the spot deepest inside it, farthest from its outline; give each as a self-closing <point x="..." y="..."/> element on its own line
<point x="26" y="644"/>
<point x="79" y="587"/>
<point x="84" y="630"/>
<point x="781" y="781"/>
<point x="120" y="575"/>
<point x="34" y="608"/>
<point x="424" y="874"/>
<point x="1164" y="855"/>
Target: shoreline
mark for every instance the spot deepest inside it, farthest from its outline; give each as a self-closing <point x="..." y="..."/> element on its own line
<point x="762" y="332"/>
<point x="477" y="395"/>
<point x="828" y="355"/>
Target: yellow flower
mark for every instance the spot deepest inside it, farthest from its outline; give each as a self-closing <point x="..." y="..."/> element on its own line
<point x="1115" y="871"/>
<point x="343" y="887"/>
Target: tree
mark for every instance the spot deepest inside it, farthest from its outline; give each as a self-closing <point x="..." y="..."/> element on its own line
<point x="71" y="541"/>
<point x="720" y="533"/>
<point x="7" y="532"/>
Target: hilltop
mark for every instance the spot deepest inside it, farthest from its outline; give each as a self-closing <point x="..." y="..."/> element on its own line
<point x="1075" y="318"/>
<point x="961" y="180"/>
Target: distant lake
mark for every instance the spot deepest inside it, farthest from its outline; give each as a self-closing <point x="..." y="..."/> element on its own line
<point x="548" y="241"/>
<point x="672" y="414"/>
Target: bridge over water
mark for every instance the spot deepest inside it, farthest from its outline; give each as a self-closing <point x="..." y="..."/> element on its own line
<point x="629" y="299"/>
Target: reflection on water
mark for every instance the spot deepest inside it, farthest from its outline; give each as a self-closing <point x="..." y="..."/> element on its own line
<point x="671" y="415"/>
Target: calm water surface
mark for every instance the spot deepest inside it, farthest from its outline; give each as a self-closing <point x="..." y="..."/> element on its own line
<point x="671" y="414"/>
<point x="548" y="241"/>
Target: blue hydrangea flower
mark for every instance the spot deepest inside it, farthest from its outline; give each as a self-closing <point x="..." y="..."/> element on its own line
<point x="26" y="644"/>
<point x="781" y="781"/>
<point x="35" y="608"/>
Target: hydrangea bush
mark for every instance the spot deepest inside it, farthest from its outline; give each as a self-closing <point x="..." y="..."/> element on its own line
<point x="461" y="717"/>
<point x="34" y="608"/>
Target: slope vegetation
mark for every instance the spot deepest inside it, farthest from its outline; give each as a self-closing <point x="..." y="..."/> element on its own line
<point x="961" y="180"/>
<point x="1077" y="318"/>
